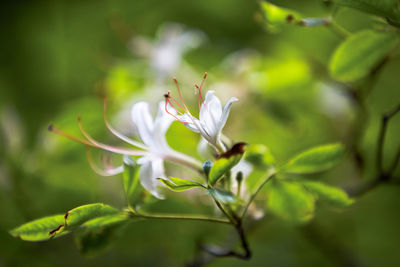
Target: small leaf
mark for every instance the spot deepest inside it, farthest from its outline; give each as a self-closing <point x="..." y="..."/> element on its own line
<point x="39" y="230"/>
<point x="316" y="159"/>
<point x="79" y="215"/>
<point x="330" y="194"/>
<point x="131" y="180"/>
<point x="383" y="8"/>
<point x="275" y="17"/>
<point x="221" y="195"/>
<point x="97" y="234"/>
<point x="360" y="53"/>
<point x="290" y="201"/>
<point x="225" y="162"/>
<point x="178" y="184"/>
<point x="260" y="156"/>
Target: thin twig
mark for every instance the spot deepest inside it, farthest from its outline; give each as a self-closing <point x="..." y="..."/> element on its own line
<point x="381" y="138"/>
<point x="382" y="175"/>
<point x="179" y="217"/>
<point x="268" y="177"/>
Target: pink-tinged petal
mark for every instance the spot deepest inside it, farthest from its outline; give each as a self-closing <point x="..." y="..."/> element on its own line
<point x="119" y="150"/>
<point x="225" y="114"/>
<point x="150" y="170"/>
<point x="210" y="112"/>
<point x="108" y="171"/>
<point x="144" y="123"/>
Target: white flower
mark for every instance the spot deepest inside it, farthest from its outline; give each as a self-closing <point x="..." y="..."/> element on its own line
<point x="166" y="52"/>
<point x="212" y="117"/>
<point x="153" y="150"/>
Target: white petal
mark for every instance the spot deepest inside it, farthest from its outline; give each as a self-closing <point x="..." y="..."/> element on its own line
<point x="142" y="119"/>
<point x="204" y="149"/>
<point x="225" y="114"/>
<point x="161" y="124"/>
<point x="190" y="122"/>
<point x="150" y="170"/>
<point x="210" y="112"/>
<point x="163" y="119"/>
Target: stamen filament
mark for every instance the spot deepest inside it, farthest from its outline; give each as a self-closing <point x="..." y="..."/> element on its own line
<point x="118" y="150"/>
<point x="180" y="95"/>
<point x="53" y="129"/>
<point x="201" y="86"/>
<point x="173" y="115"/>
<point x="118" y="134"/>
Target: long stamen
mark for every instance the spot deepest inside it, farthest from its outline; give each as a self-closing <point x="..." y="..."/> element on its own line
<point x="180" y="95"/>
<point x="201" y="85"/>
<point x="166" y="109"/>
<point x="119" y="150"/>
<point x="108" y="172"/>
<point x="118" y="134"/>
<point x="53" y="129"/>
<point x="200" y="99"/>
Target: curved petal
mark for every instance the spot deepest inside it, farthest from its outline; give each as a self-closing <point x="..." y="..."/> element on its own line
<point x="142" y="119"/>
<point x="163" y="119"/>
<point x="162" y="122"/>
<point x="190" y="122"/>
<point x="210" y="112"/>
<point x="225" y="114"/>
<point x="150" y="170"/>
<point x="108" y="171"/>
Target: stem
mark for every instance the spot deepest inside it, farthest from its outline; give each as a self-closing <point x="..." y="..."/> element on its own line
<point x="178" y="217"/>
<point x="382" y="175"/>
<point x="229" y="216"/>
<point x="271" y="173"/>
<point x="185" y="160"/>
<point x="218" y="252"/>
<point x="339" y="30"/>
<point x="381" y="138"/>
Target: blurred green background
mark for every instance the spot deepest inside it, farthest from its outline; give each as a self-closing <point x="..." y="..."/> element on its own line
<point x="60" y="58"/>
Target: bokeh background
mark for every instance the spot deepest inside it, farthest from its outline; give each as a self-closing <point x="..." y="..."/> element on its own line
<point x="60" y="58"/>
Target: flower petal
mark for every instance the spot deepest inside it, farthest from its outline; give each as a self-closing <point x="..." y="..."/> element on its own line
<point x="163" y="120"/>
<point x="150" y="170"/>
<point x="210" y="112"/>
<point x="225" y="114"/>
<point x="190" y="122"/>
<point x="108" y="171"/>
<point x="142" y="119"/>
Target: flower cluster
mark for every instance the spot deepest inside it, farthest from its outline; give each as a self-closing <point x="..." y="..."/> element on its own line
<point x="153" y="149"/>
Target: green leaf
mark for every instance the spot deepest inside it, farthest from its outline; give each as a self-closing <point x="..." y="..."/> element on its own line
<point x="316" y="159"/>
<point x="178" y="184"/>
<point x="79" y="215"/>
<point x="97" y="234"/>
<point x="276" y="17"/>
<point x="260" y="156"/>
<point x="226" y="161"/>
<point x="221" y="195"/>
<point x="383" y="8"/>
<point x="40" y="229"/>
<point x="330" y="194"/>
<point x="290" y="201"/>
<point x="131" y="180"/>
<point x="360" y="53"/>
